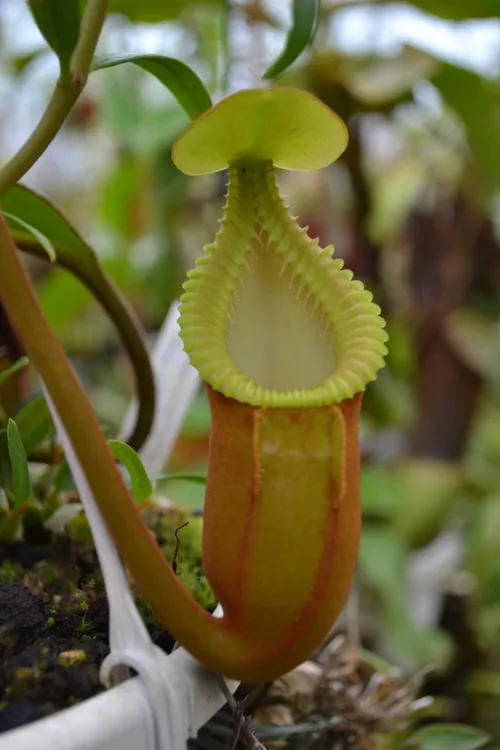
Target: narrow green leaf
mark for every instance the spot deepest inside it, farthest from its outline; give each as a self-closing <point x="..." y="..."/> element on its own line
<point x="177" y="77"/>
<point x="6" y="374"/>
<point x="34" y="422"/>
<point x="450" y="737"/>
<point x="21" y="484"/>
<point x="141" y="488"/>
<point x="305" y="13"/>
<point x="39" y="236"/>
<point x="59" y="24"/>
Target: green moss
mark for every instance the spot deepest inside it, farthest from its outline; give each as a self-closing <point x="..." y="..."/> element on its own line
<point x="82" y="600"/>
<point x="147" y="613"/>
<point x="193" y="578"/>
<point x="11" y="572"/>
<point x="72" y="658"/>
<point x="188" y="543"/>
<point x="83" y="626"/>
<point x="48" y="572"/>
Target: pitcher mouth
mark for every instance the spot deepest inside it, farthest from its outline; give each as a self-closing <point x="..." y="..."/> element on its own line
<point x="270" y="318"/>
<point x="277" y="333"/>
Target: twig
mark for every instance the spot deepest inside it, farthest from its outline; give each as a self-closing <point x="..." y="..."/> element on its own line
<point x="174" y="560"/>
<point x="243" y="725"/>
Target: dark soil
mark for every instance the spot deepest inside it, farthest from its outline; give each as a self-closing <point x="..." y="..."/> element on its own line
<point x="53" y="628"/>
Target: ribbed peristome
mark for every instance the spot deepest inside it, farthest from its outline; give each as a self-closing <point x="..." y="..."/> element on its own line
<point x="255" y="217"/>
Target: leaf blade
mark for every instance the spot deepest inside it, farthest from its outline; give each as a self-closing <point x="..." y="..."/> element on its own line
<point x="59" y="23"/>
<point x="176" y="76"/>
<point x="142" y="488"/>
<point x="39" y="236"/>
<point x="21" y="483"/>
<point x="305" y="14"/>
<point x="38" y="212"/>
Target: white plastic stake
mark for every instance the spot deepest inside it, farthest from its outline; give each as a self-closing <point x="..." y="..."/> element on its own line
<point x="176" y="386"/>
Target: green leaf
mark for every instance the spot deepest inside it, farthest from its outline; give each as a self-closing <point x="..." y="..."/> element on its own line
<point x="450" y="737"/>
<point x="75" y="255"/>
<point x="6" y="374"/>
<point x="59" y="24"/>
<point x="177" y="77"/>
<point x="305" y="13"/>
<point x="476" y="100"/>
<point x="21" y="484"/>
<point x="41" y="238"/>
<point x="36" y="211"/>
<point x="34" y="422"/>
<point x="142" y="488"/>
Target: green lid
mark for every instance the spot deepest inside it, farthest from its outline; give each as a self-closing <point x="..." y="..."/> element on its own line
<point x="290" y="127"/>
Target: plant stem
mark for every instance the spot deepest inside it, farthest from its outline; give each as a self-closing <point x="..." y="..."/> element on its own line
<point x="62" y="100"/>
<point x="90" y="29"/>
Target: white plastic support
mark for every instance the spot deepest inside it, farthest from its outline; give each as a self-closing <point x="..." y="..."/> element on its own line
<point x="176" y="385"/>
<point x="173" y="696"/>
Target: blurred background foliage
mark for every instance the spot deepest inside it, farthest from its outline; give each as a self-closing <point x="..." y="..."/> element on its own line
<point x="413" y="207"/>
